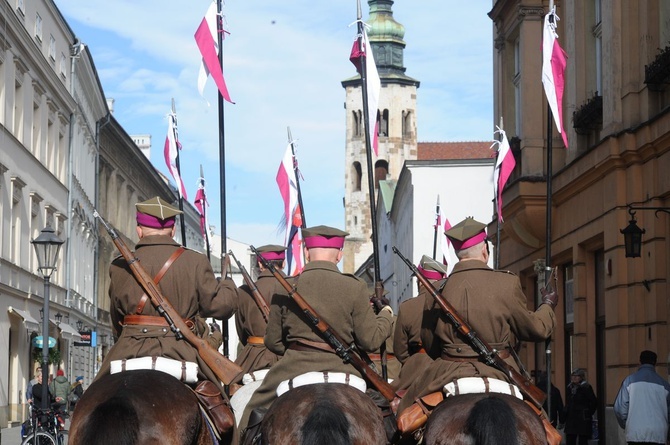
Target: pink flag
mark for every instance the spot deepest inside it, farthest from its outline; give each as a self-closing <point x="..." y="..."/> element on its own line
<point x="373" y="85"/>
<point x="294" y="245"/>
<point x="207" y="40"/>
<point x="554" y="61"/>
<point x="200" y="203"/>
<point x="170" y="152"/>
<point x="288" y="188"/>
<point x="505" y="164"/>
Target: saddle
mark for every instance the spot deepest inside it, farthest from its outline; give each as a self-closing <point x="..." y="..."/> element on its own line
<point x="217" y="408"/>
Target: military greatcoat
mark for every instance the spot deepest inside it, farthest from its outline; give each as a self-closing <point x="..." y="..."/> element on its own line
<point x="494" y="305"/>
<point x="342" y="302"/>
<point x="189" y="285"/>
<point x="250" y="323"/>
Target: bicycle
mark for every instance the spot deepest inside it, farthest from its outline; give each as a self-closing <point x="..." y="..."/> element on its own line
<point x="45" y="427"/>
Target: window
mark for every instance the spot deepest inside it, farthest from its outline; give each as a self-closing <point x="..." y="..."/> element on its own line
<point x="381" y="171"/>
<point x="52" y="48"/>
<point x="407" y="123"/>
<point x="357" y="176"/>
<point x="20" y="7"/>
<point x="383" y="123"/>
<point x="38" y="27"/>
<point x="358" y="123"/>
<point x="63" y="66"/>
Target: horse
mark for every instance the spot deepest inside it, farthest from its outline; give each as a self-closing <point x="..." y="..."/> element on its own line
<point x="484" y="419"/>
<point x="323" y="413"/>
<point x="139" y="407"/>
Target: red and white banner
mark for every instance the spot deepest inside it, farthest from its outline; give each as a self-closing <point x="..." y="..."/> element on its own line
<point x="554" y="61"/>
<point x="374" y="85"/>
<point x="207" y="39"/>
<point x="170" y="151"/>
<point x="505" y="164"/>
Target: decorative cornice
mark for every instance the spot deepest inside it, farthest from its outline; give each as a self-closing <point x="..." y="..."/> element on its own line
<point x="531" y="12"/>
<point x="499" y="42"/>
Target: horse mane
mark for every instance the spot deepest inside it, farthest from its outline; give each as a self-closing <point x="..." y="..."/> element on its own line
<point x="491" y="421"/>
<point x="326" y="423"/>
<point x="114" y="422"/>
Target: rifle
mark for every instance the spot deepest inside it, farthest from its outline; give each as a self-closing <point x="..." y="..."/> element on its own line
<point x="255" y="293"/>
<point x="486" y="353"/>
<point x="334" y="340"/>
<point x="224" y="369"/>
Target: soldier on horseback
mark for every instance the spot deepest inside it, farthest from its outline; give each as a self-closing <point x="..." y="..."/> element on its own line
<point x="187" y="280"/>
<point x="340" y="299"/>
<point x="489" y="300"/>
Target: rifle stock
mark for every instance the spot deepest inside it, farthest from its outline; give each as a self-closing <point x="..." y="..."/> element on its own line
<point x="223" y="368"/>
<point x="255" y="292"/>
<point x="334" y="340"/>
<point x="486" y="353"/>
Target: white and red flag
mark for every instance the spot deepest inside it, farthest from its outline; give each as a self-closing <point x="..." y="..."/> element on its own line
<point x="505" y="164"/>
<point x="171" y="152"/>
<point x="287" y="181"/>
<point x="373" y="82"/>
<point x="442" y="224"/>
<point x="201" y="203"/>
<point x="554" y="61"/>
<point x="206" y="37"/>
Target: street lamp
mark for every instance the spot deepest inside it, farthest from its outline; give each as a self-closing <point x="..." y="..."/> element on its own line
<point x="47" y="246"/>
<point x="59" y="318"/>
<point x="80" y="325"/>
<point x="632" y="234"/>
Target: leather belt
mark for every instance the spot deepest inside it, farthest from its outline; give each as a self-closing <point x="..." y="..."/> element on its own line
<point x="310" y="346"/>
<point x="149" y="320"/>
<point x="378" y="357"/>
<point x="255" y="341"/>
<point x="503" y="354"/>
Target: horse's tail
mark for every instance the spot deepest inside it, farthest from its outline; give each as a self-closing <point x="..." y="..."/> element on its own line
<point x="492" y="421"/>
<point x="326" y="423"/>
<point x="114" y="422"/>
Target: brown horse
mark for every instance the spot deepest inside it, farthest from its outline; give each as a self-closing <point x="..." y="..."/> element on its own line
<point x="136" y="408"/>
<point x="484" y="419"/>
<point x="323" y="413"/>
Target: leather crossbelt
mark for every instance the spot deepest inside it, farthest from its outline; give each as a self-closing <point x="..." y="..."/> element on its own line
<point x="310" y="346"/>
<point x="379" y="356"/>
<point x="503" y="354"/>
<point x="149" y="320"/>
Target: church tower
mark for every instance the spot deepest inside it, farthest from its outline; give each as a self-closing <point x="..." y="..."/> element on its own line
<point x="397" y="130"/>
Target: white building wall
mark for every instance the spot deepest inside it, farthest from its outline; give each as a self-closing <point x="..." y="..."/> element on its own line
<point x="465" y="188"/>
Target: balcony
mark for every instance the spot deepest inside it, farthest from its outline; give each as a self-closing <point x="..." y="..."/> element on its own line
<point x="657" y="73"/>
<point x="589" y="116"/>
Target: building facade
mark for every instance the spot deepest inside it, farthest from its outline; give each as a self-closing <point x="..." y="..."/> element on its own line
<point x="617" y="117"/>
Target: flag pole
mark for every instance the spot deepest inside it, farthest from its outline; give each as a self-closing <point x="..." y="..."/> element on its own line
<point x="204" y="212"/>
<point x="222" y="168"/>
<point x="547" y="260"/>
<point x="379" y="286"/>
<point x="181" y="199"/>
<point x="437" y="224"/>
<point x="297" y="179"/>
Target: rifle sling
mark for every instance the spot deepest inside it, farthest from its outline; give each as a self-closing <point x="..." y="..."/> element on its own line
<point x="143" y="300"/>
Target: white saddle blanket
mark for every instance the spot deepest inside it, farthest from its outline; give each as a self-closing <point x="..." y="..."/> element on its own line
<point x="480" y="385"/>
<point x="187" y="372"/>
<point x="311" y="378"/>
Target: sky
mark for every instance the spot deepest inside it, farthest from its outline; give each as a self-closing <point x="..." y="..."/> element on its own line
<point x="284" y="62"/>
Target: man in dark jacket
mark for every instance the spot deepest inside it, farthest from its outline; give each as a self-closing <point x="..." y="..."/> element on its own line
<point x="580" y="405"/>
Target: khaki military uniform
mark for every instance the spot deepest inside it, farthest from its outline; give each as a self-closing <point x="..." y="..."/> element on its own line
<point x="251" y="324"/>
<point x="342" y="302"/>
<point x="392" y="363"/>
<point x="189" y="285"/>
<point x="495" y="307"/>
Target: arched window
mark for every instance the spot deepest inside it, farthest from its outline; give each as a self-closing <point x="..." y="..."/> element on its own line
<point x="357" y="175"/>
<point x="384" y="123"/>
<point x="407" y="123"/>
<point x="358" y="122"/>
<point x="381" y="171"/>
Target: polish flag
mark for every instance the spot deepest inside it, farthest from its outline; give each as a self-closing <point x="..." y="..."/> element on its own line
<point x="374" y="85"/>
<point x="170" y="151"/>
<point x="554" y="61"/>
<point x="505" y="164"/>
<point x="207" y="39"/>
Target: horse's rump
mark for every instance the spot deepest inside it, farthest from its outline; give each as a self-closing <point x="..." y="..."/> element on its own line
<point x="484" y="419"/>
<point x="331" y="413"/>
<point x="138" y="407"/>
